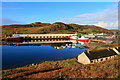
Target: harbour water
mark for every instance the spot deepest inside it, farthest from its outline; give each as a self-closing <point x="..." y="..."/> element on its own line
<point x="17" y="54"/>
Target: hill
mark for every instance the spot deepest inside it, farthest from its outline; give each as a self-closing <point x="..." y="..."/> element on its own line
<point x="47" y="28"/>
<point x="69" y="68"/>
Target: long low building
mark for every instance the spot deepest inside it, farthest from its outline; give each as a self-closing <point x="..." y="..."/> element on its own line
<point x="44" y="35"/>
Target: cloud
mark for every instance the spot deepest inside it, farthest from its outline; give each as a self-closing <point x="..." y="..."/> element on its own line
<point x="5" y="21"/>
<point x="113" y="25"/>
<point x="106" y="18"/>
<point x="110" y="14"/>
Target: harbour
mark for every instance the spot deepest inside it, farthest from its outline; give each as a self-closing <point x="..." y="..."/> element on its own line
<point x="22" y="55"/>
<point x="33" y="48"/>
<point x="25" y="49"/>
<point x="59" y="40"/>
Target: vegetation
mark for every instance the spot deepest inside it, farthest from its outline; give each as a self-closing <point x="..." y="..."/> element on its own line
<point x="47" y="28"/>
<point x="69" y="68"/>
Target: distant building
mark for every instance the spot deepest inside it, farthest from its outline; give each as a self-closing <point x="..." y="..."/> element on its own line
<point x="36" y="36"/>
<point x="89" y="57"/>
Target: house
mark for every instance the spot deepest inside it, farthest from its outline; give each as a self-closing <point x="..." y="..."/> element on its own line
<point x="89" y="57"/>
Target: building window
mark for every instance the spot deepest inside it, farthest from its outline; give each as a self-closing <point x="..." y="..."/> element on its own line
<point x="91" y="61"/>
<point x="106" y="58"/>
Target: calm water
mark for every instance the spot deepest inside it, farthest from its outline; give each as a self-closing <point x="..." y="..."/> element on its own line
<point x="17" y="56"/>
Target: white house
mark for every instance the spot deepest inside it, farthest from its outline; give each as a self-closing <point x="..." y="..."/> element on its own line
<point x="89" y="57"/>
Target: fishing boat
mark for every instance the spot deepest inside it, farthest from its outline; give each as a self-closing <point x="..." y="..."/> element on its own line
<point x="82" y="39"/>
<point x="15" y="38"/>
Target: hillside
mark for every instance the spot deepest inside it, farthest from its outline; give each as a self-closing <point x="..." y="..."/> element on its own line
<point x="47" y="28"/>
<point x="69" y="68"/>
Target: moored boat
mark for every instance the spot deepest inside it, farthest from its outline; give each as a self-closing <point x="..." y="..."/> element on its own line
<point x="82" y="39"/>
<point x="16" y="38"/>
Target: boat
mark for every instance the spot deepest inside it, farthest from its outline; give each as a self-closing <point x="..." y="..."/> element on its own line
<point x="15" y="38"/>
<point x="82" y="39"/>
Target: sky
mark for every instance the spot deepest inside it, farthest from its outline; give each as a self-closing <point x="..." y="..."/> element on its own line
<point x="104" y="14"/>
<point x="59" y="0"/>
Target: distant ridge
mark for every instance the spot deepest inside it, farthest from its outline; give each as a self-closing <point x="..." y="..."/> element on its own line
<point x="55" y="28"/>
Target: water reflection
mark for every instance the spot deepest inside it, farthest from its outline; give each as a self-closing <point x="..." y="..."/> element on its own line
<point x="59" y="44"/>
<point x="16" y="54"/>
